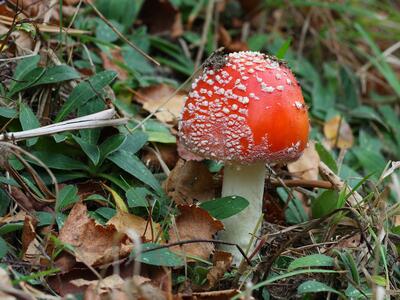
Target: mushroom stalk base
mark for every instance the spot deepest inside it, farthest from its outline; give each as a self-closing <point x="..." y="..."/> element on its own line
<point x="246" y="181"/>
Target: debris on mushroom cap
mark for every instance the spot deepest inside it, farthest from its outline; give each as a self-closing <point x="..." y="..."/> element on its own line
<point x="250" y="109"/>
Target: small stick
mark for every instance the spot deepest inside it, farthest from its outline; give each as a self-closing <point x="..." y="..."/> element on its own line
<point x="100" y="119"/>
<point x="303" y="183"/>
<point x="101" y="16"/>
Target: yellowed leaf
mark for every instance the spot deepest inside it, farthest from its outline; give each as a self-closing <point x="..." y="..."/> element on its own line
<point x="306" y="167"/>
<point x="124" y="222"/>
<point x="154" y="96"/>
<point x="338" y="133"/>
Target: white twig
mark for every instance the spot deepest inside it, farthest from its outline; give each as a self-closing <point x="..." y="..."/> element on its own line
<point x="100" y="119"/>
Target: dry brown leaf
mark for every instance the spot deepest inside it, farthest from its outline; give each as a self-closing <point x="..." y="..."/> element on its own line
<point x="221" y="263"/>
<point x="94" y="244"/>
<point x="124" y="222"/>
<point x="190" y="181"/>
<point x="194" y="223"/>
<point x="109" y="63"/>
<point x="161" y="16"/>
<point x="154" y="96"/>
<point x="342" y="138"/>
<point x="30" y="244"/>
<point x="18" y="217"/>
<point x="306" y="167"/>
<point x="6" y="282"/>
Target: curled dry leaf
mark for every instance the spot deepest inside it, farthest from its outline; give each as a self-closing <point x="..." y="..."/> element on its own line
<point x="221" y="263"/>
<point x="109" y="63"/>
<point x="338" y="133"/>
<point x="194" y="223"/>
<point x="124" y="222"/>
<point x="94" y="244"/>
<point x="30" y="244"/>
<point x="190" y="181"/>
<point x="306" y="167"/>
<point x="154" y="96"/>
<point x="217" y="295"/>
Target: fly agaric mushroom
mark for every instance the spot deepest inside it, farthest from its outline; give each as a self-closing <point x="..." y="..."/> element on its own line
<point x="247" y="112"/>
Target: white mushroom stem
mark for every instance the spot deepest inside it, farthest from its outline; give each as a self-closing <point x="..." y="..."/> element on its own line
<point x="246" y="181"/>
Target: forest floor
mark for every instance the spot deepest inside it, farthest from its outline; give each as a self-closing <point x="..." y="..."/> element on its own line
<point x="112" y="206"/>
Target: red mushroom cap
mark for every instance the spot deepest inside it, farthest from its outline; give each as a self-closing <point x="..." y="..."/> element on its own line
<point x="250" y="109"/>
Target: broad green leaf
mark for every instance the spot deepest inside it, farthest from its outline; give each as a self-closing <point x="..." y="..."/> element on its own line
<point x="257" y="41"/>
<point x="85" y="91"/>
<point x="111" y="145"/>
<point x="45" y="218"/>
<point x="225" y="207"/>
<point x="313" y="286"/>
<point x="57" y="161"/>
<point x="135" y="167"/>
<point x="4" y="202"/>
<point x="24" y="67"/>
<point x="159" y="257"/>
<point x="10" y="227"/>
<point x="134" y="141"/>
<point x="123" y="11"/>
<point x="8" y="112"/>
<point x="313" y="260"/>
<point x="68" y="195"/>
<point x="3" y="248"/>
<point x="106" y="212"/>
<point x="366" y="112"/>
<point x="95" y="105"/>
<point x="161" y="137"/>
<point x="40" y="76"/>
<point x="325" y="203"/>
<point x="92" y="151"/>
<point x="136" y="197"/>
<point x="326" y="157"/>
<point x="105" y="33"/>
<point x="60" y="219"/>
<point x="28" y="121"/>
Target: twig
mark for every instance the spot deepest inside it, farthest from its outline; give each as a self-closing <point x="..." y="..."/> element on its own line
<point x="113" y="28"/>
<point x="204" y="34"/>
<point x="100" y="119"/>
<point x="180" y="243"/>
<point x="337" y="183"/>
<point x="303" y="183"/>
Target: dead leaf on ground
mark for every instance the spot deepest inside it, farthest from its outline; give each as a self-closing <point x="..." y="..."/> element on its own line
<point x="124" y="222"/>
<point x="190" y="181"/>
<point x="306" y="167"/>
<point x="6" y="282"/>
<point x="167" y="152"/>
<point x="30" y="244"/>
<point x="18" y="217"/>
<point x="94" y="244"/>
<point x="338" y="133"/>
<point x="154" y="96"/>
<point x="161" y="16"/>
<point x="194" y="223"/>
<point x="221" y="263"/>
<point x="109" y="63"/>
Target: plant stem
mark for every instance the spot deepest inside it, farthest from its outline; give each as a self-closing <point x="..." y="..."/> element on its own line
<point x="246" y="181"/>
